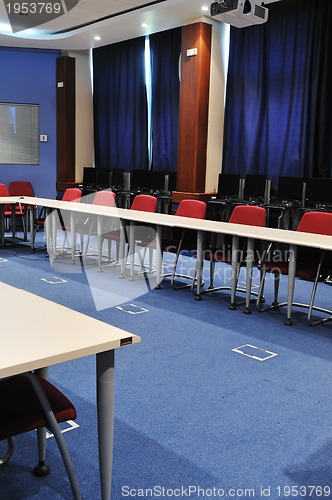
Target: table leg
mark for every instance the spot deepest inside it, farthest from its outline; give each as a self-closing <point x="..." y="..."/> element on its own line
<point x="32" y="229"/>
<point x="99" y="240"/>
<point x="249" y="268"/>
<point x="14" y="223"/>
<point x="159" y="255"/>
<point x="73" y="235"/>
<point x="291" y="282"/>
<point x="199" y="264"/>
<point x="235" y="267"/>
<point x="105" y="408"/>
<point x="122" y="248"/>
<point x="48" y="231"/>
<point x="132" y="249"/>
<point x="26" y="221"/>
<point x="42" y="469"/>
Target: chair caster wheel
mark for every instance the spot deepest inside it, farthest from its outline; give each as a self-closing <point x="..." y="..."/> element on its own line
<point x="198" y="297"/>
<point x="41" y="470"/>
<point x="288" y="322"/>
<point x="246" y="311"/>
<point x="158" y="287"/>
<point x="232" y="307"/>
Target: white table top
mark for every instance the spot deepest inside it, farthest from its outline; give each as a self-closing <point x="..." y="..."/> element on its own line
<point x="43" y="333"/>
<point x="262" y="233"/>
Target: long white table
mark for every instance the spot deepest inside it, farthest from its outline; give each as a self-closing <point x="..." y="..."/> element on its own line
<point x="46" y="333"/>
<point x="288" y="237"/>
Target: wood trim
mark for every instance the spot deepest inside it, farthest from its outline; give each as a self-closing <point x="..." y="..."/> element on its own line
<point x="66" y="118"/>
<point x="178" y="196"/>
<point x="194" y="107"/>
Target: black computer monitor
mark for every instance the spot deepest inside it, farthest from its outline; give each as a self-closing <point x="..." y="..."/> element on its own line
<point x="228" y="185"/>
<point x="103" y="177"/>
<point x="254" y="186"/>
<point x="319" y="191"/>
<point x="139" y="180"/>
<point x="172" y="178"/>
<point x="290" y="188"/>
<point x="116" y="179"/>
<point x="89" y="176"/>
<point x="156" y="180"/>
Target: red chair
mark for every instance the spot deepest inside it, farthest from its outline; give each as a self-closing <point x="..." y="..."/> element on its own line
<point x="144" y="203"/>
<point x="70" y="195"/>
<point x="220" y="247"/>
<point x="142" y="235"/>
<point x="7" y="209"/>
<point x="89" y="227"/>
<point x="184" y="240"/>
<point x="23" y="188"/>
<point x="311" y="265"/>
<point x="29" y="402"/>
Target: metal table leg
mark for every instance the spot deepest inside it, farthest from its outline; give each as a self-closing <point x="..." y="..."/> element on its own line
<point x="249" y="268"/>
<point x="122" y="248"/>
<point x="291" y="282"/>
<point x="199" y="264"/>
<point x="235" y="269"/>
<point x="159" y="255"/>
<point x="105" y="408"/>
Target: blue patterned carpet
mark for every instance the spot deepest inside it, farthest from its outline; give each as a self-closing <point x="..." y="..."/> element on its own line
<point x="193" y="417"/>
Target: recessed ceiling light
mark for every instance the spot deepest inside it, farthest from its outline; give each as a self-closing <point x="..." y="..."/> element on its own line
<point x="145" y="25"/>
<point x="205" y="8"/>
<point x="97" y="38"/>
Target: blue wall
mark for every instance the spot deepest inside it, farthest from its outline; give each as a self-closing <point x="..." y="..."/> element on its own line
<point x="29" y="76"/>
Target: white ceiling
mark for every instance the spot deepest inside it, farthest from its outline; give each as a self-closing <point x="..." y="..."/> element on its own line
<point x="112" y="20"/>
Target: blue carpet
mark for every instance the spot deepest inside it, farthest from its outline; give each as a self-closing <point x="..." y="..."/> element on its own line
<point x="193" y="418"/>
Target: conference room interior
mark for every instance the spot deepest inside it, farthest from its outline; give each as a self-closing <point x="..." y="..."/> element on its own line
<point x="211" y="397"/>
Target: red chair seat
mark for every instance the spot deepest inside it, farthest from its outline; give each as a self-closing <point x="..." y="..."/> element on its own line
<point x="20" y="409"/>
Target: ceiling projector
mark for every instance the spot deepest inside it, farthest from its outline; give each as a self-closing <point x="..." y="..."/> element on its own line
<point x="239" y="13"/>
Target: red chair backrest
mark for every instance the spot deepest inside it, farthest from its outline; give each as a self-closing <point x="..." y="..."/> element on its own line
<point x="105" y="198"/>
<point x="316" y="222"/>
<point x="145" y="203"/>
<point x="5" y="193"/>
<point x="191" y="208"/>
<point x="20" y="188"/>
<point x="250" y="215"/>
<point x="72" y="194"/>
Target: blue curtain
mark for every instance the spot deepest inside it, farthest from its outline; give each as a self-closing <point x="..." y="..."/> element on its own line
<point x="278" y="96"/>
<point x="120" y="106"/>
<point x="165" y="48"/>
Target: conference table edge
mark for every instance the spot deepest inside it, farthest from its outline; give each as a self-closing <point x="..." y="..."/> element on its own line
<point x="323" y="242"/>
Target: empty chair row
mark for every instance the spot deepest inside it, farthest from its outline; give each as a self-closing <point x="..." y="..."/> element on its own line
<point x="218" y="248"/>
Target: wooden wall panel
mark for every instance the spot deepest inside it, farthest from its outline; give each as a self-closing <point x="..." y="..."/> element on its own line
<point x="65" y="115"/>
<point x="194" y="106"/>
